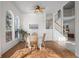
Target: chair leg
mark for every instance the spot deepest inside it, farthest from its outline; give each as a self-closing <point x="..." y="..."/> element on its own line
<point x="44" y="44"/>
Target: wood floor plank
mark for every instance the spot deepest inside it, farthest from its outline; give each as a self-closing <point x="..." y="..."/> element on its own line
<point x="59" y="50"/>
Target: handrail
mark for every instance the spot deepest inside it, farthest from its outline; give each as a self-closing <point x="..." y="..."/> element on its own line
<point x="58" y="30"/>
<point x="58" y="24"/>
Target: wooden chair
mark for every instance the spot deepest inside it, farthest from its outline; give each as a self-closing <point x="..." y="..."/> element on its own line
<point x="43" y="40"/>
<point x="34" y="42"/>
<point x="27" y="40"/>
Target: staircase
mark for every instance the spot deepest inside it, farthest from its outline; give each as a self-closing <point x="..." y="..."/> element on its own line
<point x="62" y="39"/>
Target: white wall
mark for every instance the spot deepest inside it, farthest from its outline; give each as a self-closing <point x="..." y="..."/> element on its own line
<point x="77" y="27"/>
<point x="69" y="12"/>
<point x="0" y="28"/>
<point x="5" y="7"/>
<point x="40" y="19"/>
<point x="71" y="24"/>
<point x="49" y="34"/>
<point x="32" y="18"/>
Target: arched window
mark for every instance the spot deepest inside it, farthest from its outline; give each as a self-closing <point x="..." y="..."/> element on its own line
<point x="9" y="25"/>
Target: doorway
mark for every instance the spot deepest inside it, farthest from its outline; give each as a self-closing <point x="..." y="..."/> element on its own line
<point x="69" y="24"/>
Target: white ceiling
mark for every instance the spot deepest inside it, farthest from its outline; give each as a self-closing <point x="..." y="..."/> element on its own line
<point x="26" y="6"/>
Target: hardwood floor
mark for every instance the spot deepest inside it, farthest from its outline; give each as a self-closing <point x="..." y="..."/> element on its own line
<point x="10" y="52"/>
<point x="59" y="50"/>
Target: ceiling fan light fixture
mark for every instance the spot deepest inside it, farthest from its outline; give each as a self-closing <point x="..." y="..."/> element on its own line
<point x="39" y="9"/>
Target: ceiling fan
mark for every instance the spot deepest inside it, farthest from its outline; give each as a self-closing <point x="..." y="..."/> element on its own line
<point x="39" y="9"/>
